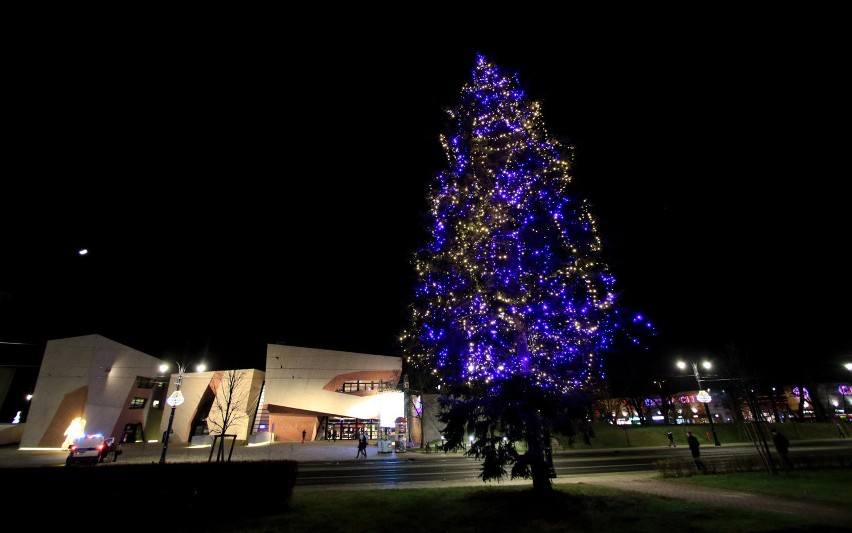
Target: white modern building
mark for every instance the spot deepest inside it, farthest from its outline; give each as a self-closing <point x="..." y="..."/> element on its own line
<point x="92" y="379"/>
<point x="91" y="384"/>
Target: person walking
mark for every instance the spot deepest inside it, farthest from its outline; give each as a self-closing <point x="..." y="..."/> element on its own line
<point x="782" y="445"/>
<point x="840" y="433"/>
<point x="694" y="445"/>
<point x="362" y="446"/>
<point x="304" y="434"/>
<point x="671" y="440"/>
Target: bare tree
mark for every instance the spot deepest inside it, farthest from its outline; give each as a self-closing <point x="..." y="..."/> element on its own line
<point x="661" y="398"/>
<point x="605" y="404"/>
<point x="639" y="407"/>
<point x="229" y="405"/>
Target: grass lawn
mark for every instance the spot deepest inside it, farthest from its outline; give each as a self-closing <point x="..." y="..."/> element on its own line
<point x="825" y="487"/>
<point x="570" y="508"/>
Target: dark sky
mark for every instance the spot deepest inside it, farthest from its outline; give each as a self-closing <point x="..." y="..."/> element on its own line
<point x="238" y="193"/>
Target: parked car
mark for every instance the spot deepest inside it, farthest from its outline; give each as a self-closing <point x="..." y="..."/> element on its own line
<point x="93" y="449"/>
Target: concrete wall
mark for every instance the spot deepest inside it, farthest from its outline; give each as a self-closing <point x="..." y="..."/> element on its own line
<point x="306" y="379"/>
<point x="90" y="377"/>
<point x="243" y="401"/>
<point x="11" y="433"/>
<point x="6" y="376"/>
<point x="426" y="427"/>
<point x="288" y="427"/>
<point x="237" y="393"/>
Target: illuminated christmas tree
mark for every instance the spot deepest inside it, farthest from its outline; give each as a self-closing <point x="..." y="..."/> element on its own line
<point x="511" y="290"/>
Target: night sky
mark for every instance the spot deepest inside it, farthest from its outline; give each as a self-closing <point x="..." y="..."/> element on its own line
<point x="237" y="194"/>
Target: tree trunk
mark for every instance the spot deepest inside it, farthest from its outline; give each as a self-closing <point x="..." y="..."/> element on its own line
<point x="539" y="468"/>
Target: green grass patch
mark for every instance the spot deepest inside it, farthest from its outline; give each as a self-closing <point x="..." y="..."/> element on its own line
<point x="495" y="509"/>
<point x="824" y="487"/>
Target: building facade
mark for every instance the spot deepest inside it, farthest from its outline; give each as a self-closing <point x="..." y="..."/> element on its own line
<point x="91" y="384"/>
<point x="329" y="394"/>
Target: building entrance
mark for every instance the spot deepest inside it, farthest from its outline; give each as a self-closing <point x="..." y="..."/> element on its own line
<point x="342" y="428"/>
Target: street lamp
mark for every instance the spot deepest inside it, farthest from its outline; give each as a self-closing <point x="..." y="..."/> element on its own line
<point x="174" y="400"/>
<point x="703" y="395"/>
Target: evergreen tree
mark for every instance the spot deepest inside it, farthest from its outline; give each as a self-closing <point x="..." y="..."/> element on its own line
<point x="513" y="305"/>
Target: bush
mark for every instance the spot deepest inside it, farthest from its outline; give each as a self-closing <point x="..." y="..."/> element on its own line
<point x="182" y="493"/>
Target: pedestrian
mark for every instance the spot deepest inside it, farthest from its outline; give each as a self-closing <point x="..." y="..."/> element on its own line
<point x="304" y="434"/>
<point x="840" y="432"/>
<point x="694" y="445"/>
<point x="782" y="445"/>
<point x="362" y="446"/>
<point x="586" y="440"/>
<point x="671" y="440"/>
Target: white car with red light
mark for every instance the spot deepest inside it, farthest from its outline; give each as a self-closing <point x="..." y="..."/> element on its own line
<point x="93" y="449"/>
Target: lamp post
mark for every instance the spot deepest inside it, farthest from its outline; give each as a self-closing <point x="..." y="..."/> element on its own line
<point x="174" y="400"/>
<point x="703" y="396"/>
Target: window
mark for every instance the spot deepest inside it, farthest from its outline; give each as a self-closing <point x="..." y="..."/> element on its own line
<point x="148" y="383"/>
<point x="353" y="386"/>
<point x="138" y="403"/>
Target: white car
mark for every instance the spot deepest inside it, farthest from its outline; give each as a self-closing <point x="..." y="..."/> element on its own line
<point x="93" y="449"/>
